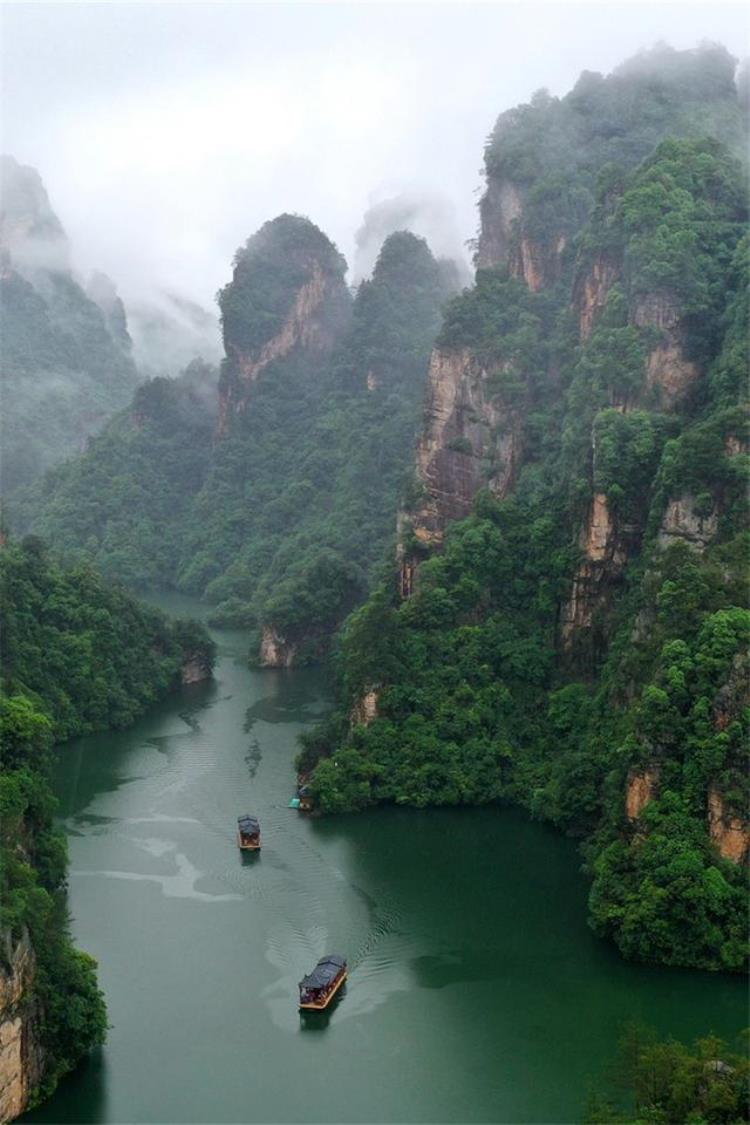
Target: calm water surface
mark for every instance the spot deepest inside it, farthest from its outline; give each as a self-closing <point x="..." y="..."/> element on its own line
<point x="476" y="991"/>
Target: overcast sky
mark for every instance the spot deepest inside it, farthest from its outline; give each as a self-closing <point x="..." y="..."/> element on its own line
<point x="166" y="133"/>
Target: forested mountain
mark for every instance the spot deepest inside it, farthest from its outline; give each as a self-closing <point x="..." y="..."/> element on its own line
<point x="77" y="656"/>
<point x="66" y="353"/>
<point x="565" y="621"/>
<point x="276" y="497"/>
<point x="566" y="624"/>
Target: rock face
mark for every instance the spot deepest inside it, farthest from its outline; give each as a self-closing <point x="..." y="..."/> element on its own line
<point x="195" y="669"/>
<point x="365" y="710"/>
<point x="292" y="257"/>
<point x="641" y="789"/>
<point x="681" y="522"/>
<point x="21" y="1056"/>
<point x="500" y="211"/>
<point x="67" y="363"/>
<point x="591" y="291"/>
<point x="471" y="439"/>
<point x="30" y="231"/>
<point x="734" y="696"/>
<point x="606" y="547"/>
<point x="669" y="374"/>
<point x="668" y="379"/>
<point x="275" y="650"/>
<point x="504" y="240"/>
<point x="730" y="834"/>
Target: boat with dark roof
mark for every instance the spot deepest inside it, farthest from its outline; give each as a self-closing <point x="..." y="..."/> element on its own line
<point x="318" y="988"/>
<point x="248" y="833"/>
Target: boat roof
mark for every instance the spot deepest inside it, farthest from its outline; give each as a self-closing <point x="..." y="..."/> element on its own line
<point x="248" y="824"/>
<point x="325" y="971"/>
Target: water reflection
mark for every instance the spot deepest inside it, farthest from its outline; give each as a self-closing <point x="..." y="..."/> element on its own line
<point x="473" y="962"/>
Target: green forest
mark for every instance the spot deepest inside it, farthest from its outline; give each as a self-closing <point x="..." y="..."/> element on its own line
<point x="66" y="361"/>
<point x="533" y="661"/>
<point x="78" y="655"/>
<point x="665" y="1082"/>
<point x="283" y="520"/>
<point x="482" y="694"/>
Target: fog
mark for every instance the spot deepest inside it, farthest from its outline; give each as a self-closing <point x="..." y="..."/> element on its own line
<point x="167" y="133"/>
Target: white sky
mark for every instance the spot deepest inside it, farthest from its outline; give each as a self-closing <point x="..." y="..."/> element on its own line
<point x="166" y="133"/>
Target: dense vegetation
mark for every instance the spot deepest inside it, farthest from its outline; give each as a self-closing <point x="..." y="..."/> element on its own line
<point x="630" y="197"/>
<point x="77" y="656"/>
<point x="121" y="505"/>
<point x="283" y="518"/>
<point x="554" y="149"/>
<point x="66" y="363"/>
<point x="480" y="696"/>
<point x="669" y="1083"/>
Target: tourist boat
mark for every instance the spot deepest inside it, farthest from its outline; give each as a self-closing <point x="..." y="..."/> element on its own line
<point x="318" y="988"/>
<point x="248" y="833"/>
<point x="304" y="794"/>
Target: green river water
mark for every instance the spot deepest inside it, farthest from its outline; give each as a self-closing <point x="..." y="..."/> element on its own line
<point x="476" y="991"/>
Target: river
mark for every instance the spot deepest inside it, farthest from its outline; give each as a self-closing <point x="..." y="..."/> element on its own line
<point x="476" y="991"/>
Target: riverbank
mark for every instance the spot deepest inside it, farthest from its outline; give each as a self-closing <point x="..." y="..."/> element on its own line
<point x="476" y="993"/>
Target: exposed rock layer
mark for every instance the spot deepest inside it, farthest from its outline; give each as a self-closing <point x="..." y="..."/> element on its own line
<point x="681" y="522"/>
<point x="730" y="834"/>
<point x="21" y="1056"/>
<point x="275" y="650"/>
<point x="641" y="789"/>
<point x="365" y="710"/>
<point x="306" y="325"/>
<point x="471" y="440"/>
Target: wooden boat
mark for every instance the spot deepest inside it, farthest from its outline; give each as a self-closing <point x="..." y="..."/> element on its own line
<point x="248" y="833"/>
<point x="305" y="798"/>
<point x="318" y="988"/>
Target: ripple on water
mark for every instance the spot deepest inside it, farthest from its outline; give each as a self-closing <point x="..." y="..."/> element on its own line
<point x="181" y="884"/>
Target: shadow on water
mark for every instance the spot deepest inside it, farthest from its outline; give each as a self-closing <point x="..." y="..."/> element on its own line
<point x="249" y="859"/>
<point x="87" y="1084"/>
<point x="465" y="931"/>
<point x="82" y="772"/>
<point x="253" y="758"/>
<point x="319" y="1021"/>
<point x="299" y="696"/>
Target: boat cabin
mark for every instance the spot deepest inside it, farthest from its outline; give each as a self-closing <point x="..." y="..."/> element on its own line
<point x="305" y="798"/>
<point x="248" y="833"/>
<point x="318" y="988"/>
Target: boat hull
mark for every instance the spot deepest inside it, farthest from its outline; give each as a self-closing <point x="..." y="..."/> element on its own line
<point x="321" y="1005"/>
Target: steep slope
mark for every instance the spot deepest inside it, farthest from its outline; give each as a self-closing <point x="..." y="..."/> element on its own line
<point x="576" y="643"/>
<point x="77" y="656"/>
<point x="121" y="505"/>
<point x="310" y="470"/>
<point x="275" y="497"/>
<point x="66" y="362"/>
<point x="542" y="160"/>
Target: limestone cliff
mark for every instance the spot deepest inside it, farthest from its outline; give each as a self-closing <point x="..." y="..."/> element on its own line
<point x="504" y="239"/>
<point x="641" y="788"/>
<point x="682" y="522"/>
<point x="67" y="363"/>
<point x="196" y="667"/>
<point x="591" y="289"/>
<point x="606" y="546"/>
<point x="667" y="380"/>
<point x="471" y="439"/>
<point x="365" y="709"/>
<point x="275" y="651"/>
<point x="670" y="374"/>
<point x="287" y="295"/>
<point x="730" y="833"/>
<point x="21" y="1056"/>
<point x="30" y="232"/>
